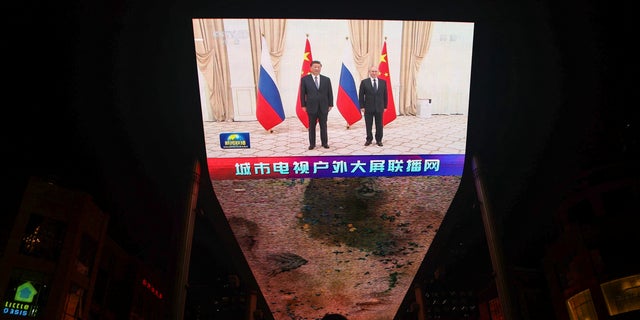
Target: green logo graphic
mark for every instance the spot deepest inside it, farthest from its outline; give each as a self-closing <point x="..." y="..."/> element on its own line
<point x="25" y="292"/>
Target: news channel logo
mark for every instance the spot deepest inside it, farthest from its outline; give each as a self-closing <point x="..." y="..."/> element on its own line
<point x="235" y="140"/>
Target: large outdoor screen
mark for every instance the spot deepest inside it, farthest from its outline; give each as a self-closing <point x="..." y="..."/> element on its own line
<point x="341" y="229"/>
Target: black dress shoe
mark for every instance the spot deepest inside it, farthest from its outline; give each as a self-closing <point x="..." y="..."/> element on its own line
<point x="311" y="147"/>
<point x="326" y="146"/>
<point x="379" y="144"/>
<point x="367" y="143"/>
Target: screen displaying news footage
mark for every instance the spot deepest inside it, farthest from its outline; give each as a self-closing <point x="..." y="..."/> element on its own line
<point x="341" y="229"/>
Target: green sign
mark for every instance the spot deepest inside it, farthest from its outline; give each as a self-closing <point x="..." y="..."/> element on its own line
<point x="25" y="292"/>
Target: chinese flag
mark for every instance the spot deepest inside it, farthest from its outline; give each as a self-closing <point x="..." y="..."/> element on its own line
<point x="306" y="61"/>
<point x="389" y="114"/>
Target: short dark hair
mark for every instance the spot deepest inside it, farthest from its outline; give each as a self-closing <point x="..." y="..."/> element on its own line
<point x="334" y="316"/>
<point x="314" y="62"/>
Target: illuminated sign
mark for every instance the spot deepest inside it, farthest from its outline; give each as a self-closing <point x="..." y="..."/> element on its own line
<point x="16" y="308"/>
<point x="151" y="288"/>
<point x="20" y="306"/>
<point x="23" y="303"/>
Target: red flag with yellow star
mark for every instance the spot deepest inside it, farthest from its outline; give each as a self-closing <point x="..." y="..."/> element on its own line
<point x="390" y="113"/>
<point x="306" y="67"/>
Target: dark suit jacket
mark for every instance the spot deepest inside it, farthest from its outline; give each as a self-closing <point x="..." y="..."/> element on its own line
<point x="372" y="101"/>
<point x="316" y="99"/>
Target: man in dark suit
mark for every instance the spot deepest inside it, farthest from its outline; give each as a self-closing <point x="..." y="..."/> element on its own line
<point x="372" y="96"/>
<point x="316" y="99"/>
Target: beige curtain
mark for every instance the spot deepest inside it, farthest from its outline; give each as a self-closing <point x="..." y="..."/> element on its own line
<point x="416" y="37"/>
<point x="366" y="40"/>
<point x="274" y="33"/>
<point x="212" y="60"/>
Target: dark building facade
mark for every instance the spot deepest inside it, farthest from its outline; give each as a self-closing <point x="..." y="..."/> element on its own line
<point x="573" y="263"/>
<point x="58" y="262"/>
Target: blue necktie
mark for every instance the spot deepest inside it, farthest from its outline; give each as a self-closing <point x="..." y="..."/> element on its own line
<point x="375" y="84"/>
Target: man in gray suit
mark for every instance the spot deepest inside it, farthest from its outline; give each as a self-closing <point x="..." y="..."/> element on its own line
<point x="316" y="99"/>
<point x="372" y="96"/>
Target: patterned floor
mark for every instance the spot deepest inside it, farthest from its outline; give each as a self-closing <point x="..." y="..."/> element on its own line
<point x="437" y="134"/>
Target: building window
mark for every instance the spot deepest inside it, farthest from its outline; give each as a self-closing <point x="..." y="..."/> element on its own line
<point x="86" y="255"/>
<point x="73" y="305"/>
<point x="622" y="295"/>
<point x="581" y="307"/>
<point x="43" y="237"/>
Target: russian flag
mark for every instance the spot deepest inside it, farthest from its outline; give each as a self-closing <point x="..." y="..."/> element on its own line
<point x="347" y="101"/>
<point x="269" y="110"/>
